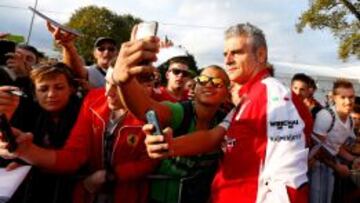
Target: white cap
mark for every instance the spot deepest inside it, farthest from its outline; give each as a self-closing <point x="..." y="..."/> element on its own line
<point x="168" y="53"/>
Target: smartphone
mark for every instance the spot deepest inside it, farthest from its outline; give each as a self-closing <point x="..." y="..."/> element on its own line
<point x="6" y="47"/>
<point x="6" y="131"/>
<point x="146" y="29"/>
<point x="151" y="118"/>
<point x="18" y="93"/>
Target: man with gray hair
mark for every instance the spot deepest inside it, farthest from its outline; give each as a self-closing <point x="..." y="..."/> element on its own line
<point x="265" y="154"/>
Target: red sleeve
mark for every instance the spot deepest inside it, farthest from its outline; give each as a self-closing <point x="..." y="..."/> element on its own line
<point x="306" y="117"/>
<point x="75" y="152"/>
<point x="300" y="195"/>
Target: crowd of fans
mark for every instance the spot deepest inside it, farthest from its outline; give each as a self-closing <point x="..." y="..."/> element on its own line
<point x="232" y="134"/>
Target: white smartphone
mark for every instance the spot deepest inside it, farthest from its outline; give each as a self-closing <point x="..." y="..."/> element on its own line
<point x="146" y="29"/>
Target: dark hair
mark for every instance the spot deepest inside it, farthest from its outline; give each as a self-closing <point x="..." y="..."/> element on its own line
<point x="180" y="59"/>
<point x="356" y="108"/>
<point x="31" y="49"/>
<point x="219" y="68"/>
<point x="312" y="83"/>
<point x="271" y="69"/>
<point x="50" y="70"/>
<point x="301" y="77"/>
<point x="342" y="83"/>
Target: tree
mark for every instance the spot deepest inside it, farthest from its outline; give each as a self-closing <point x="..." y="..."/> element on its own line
<point x="341" y="17"/>
<point x="94" y="22"/>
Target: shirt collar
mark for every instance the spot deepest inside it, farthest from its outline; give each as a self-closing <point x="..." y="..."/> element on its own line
<point x="259" y="76"/>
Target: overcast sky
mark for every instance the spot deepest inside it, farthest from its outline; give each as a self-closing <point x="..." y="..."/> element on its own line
<point x="198" y="25"/>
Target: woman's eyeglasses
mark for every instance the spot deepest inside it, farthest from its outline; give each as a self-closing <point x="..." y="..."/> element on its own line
<point x="204" y="80"/>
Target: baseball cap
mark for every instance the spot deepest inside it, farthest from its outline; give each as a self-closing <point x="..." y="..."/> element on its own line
<point x="165" y="54"/>
<point x="101" y="40"/>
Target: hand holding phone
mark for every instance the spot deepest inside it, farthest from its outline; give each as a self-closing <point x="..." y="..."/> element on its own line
<point x="151" y="118"/>
<point x="146" y="29"/>
<point x="6" y="131"/>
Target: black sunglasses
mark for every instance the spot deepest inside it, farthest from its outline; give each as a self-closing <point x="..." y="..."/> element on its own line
<point x="184" y="73"/>
<point x="215" y="82"/>
<point x="110" y="49"/>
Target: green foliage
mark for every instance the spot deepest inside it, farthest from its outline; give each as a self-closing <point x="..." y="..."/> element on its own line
<point x="15" y="38"/>
<point x="94" y="22"/>
<point x="341" y="17"/>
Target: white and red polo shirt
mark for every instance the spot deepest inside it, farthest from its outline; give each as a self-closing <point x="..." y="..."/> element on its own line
<point x="265" y="158"/>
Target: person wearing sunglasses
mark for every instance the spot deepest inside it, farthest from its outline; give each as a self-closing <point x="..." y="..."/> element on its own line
<point x="263" y="138"/>
<point x="104" y="53"/>
<point x="177" y="75"/>
<point x="187" y="179"/>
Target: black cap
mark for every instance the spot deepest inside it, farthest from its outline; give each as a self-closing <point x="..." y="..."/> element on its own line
<point x="101" y="40"/>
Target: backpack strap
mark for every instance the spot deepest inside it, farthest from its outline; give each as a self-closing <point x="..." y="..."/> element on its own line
<point x="332" y="113"/>
<point x="315" y="110"/>
<point x="102" y="71"/>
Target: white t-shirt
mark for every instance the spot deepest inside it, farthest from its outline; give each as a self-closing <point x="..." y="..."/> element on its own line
<point x="339" y="133"/>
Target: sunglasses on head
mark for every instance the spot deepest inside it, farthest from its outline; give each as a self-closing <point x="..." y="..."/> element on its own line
<point x="176" y="72"/>
<point x="204" y="80"/>
<point x="110" y="49"/>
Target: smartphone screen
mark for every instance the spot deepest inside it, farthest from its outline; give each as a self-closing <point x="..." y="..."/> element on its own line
<point x="146" y="29"/>
<point x="151" y="118"/>
<point x="6" y="47"/>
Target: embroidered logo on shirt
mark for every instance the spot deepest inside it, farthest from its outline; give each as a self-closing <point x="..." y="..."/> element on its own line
<point x="280" y="124"/>
<point x="290" y="137"/>
<point x="132" y="139"/>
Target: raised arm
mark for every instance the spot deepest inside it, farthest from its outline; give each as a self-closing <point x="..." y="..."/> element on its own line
<point x="70" y="55"/>
<point x="199" y="142"/>
<point x="130" y="62"/>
